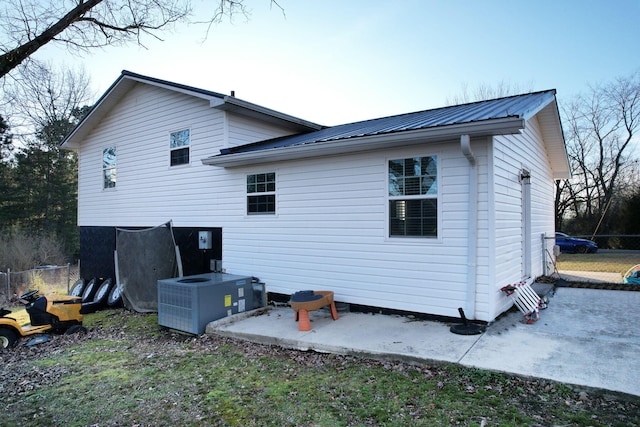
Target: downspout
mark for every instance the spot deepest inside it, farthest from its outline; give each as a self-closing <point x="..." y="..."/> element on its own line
<point x="472" y="247"/>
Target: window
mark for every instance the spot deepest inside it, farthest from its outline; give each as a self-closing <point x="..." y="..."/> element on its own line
<point x="261" y="193"/>
<point x="109" y="167"/>
<point x="413" y="197"/>
<point x="179" y="146"/>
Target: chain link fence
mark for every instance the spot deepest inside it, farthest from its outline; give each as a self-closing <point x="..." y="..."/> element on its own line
<point x="48" y="279"/>
<point x="614" y="260"/>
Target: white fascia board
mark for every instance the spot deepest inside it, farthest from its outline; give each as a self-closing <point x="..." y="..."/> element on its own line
<point x="366" y="143"/>
<point x="544" y="102"/>
<point x="173" y="88"/>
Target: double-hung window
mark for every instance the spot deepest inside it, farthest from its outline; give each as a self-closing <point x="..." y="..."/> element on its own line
<point x="261" y="193"/>
<point x="179" y="147"/>
<point x="413" y="197"/>
<point x="109" y="167"/>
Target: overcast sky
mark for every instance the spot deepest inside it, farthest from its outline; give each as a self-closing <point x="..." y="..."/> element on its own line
<point x="339" y="61"/>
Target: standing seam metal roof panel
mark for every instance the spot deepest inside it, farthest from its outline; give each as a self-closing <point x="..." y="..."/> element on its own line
<point x="519" y="106"/>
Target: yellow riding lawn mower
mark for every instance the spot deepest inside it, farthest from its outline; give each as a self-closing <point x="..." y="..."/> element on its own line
<point x="52" y="313"/>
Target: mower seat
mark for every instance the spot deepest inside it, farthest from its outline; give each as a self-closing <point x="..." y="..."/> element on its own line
<point x="38" y="313"/>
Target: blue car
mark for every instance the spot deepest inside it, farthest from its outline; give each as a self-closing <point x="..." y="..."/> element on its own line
<point x="573" y="245"/>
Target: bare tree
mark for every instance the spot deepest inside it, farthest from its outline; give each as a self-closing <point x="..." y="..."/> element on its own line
<point x="40" y="185"/>
<point x="601" y="128"/>
<point x="27" y="25"/>
<point x="486" y="91"/>
<point x="41" y="95"/>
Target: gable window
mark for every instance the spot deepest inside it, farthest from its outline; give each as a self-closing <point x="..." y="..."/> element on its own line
<point x="261" y="193"/>
<point x="413" y="197"/>
<point x="179" y="146"/>
<point x="109" y="167"/>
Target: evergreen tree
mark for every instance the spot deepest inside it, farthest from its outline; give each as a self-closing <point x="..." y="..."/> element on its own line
<point x="46" y="179"/>
<point x="6" y="138"/>
<point x="41" y="196"/>
<point x="7" y="175"/>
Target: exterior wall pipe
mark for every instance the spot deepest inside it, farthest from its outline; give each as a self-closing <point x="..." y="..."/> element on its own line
<point x="472" y="248"/>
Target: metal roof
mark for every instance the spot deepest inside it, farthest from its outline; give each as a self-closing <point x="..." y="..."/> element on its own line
<point x="520" y="107"/>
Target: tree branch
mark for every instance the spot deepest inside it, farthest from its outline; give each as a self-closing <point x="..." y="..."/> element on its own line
<point x="15" y="57"/>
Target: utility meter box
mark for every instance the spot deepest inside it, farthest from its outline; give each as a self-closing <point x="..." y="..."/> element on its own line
<point x="205" y="239"/>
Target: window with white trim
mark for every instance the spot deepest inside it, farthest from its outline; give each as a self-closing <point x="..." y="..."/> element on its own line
<point x="413" y="197"/>
<point x="109" y="167"/>
<point x="179" y="147"/>
<point x="261" y="193"/>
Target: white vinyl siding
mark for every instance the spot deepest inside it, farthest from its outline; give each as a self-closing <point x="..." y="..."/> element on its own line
<point x="244" y="130"/>
<point x="330" y="234"/>
<point x="510" y="155"/>
<point x="331" y="227"/>
<point x="149" y="191"/>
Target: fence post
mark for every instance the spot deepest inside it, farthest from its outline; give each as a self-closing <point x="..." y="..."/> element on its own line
<point x="68" y="276"/>
<point x="543" y="237"/>
<point x="9" y="283"/>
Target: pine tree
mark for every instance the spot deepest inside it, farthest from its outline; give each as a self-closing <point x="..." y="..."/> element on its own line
<point x="46" y="180"/>
<point x="7" y="175"/>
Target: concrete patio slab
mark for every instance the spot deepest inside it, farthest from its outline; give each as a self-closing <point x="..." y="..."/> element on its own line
<point x="587" y="337"/>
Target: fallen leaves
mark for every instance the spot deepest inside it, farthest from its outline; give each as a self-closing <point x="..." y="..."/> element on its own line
<point x="530" y="396"/>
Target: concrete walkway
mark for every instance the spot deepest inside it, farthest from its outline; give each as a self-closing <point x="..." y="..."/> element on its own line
<point x="586" y="337"/>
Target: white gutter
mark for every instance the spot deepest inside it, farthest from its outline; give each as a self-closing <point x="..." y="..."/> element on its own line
<point x="367" y="143"/>
<point x="472" y="246"/>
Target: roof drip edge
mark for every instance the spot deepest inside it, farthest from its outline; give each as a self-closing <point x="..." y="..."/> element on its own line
<point x="371" y="142"/>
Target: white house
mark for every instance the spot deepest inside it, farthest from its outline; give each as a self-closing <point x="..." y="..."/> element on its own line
<point x="423" y="212"/>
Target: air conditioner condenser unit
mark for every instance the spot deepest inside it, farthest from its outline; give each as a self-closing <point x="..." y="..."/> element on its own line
<point x="189" y="303"/>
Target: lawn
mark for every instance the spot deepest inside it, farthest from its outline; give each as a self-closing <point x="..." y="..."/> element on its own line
<point x="606" y="262"/>
<point x="129" y="371"/>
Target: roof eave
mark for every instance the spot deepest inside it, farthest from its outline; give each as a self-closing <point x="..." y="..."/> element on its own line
<point x="549" y="119"/>
<point x="367" y="143"/>
<point x="547" y="98"/>
<point x="73" y="138"/>
<point x="562" y="175"/>
<point x="115" y="92"/>
<point x="233" y="104"/>
<point x="127" y="80"/>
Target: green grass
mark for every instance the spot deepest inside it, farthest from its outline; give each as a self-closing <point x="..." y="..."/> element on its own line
<point x="601" y="262"/>
<point x="129" y="371"/>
